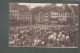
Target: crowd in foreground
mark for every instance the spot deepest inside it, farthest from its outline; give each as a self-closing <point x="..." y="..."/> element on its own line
<point x="42" y="37"/>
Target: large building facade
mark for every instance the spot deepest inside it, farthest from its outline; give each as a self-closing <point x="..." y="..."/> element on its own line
<point x="19" y="14"/>
<point x="51" y="15"/>
<point x="47" y="15"/>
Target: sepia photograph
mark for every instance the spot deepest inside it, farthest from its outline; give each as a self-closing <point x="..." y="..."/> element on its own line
<point x="43" y="25"/>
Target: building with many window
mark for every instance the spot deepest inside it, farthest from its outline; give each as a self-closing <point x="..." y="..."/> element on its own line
<point x="13" y="13"/>
<point x="47" y="15"/>
<point x="25" y="15"/>
<point x="19" y="14"/>
<point x="51" y="15"/>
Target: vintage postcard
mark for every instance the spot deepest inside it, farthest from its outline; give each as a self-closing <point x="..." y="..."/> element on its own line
<point x="43" y="25"/>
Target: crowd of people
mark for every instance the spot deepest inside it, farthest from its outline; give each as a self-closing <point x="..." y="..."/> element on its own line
<point x="42" y="36"/>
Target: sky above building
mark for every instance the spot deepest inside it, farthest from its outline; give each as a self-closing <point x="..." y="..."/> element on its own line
<point x="32" y="5"/>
